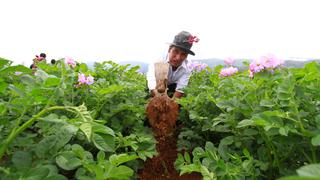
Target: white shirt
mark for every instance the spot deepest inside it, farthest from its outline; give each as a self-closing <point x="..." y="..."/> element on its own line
<point x="180" y="76"/>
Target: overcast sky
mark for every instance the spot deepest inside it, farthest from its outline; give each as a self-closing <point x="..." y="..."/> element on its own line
<point x="121" y="30"/>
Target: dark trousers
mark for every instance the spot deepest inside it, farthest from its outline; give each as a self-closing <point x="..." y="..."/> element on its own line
<point x="170" y="92"/>
<point x="171" y="89"/>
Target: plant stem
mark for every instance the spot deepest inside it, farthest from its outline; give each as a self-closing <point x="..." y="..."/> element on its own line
<point x="306" y="156"/>
<point x="16" y="131"/>
<point x="313" y="152"/>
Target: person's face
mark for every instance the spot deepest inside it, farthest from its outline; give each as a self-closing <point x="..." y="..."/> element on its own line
<point x="176" y="56"/>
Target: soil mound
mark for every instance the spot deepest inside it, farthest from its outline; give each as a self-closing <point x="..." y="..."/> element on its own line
<point x="163" y="113"/>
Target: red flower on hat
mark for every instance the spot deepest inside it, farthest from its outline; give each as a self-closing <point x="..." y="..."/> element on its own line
<point x="193" y="39"/>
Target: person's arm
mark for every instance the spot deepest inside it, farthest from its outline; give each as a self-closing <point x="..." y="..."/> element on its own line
<point x="182" y="83"/>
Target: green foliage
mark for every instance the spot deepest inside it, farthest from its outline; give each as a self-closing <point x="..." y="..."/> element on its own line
<point x="52" y="125"/>
<point x="307" y="172"/>
<point x="274" y="117"/>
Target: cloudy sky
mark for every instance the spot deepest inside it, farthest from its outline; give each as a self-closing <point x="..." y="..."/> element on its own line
<point x="122" y="30"/>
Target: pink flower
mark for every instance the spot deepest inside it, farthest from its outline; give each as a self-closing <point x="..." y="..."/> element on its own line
<point x="82" y="79"/>
<point x="70" y="62"/>
<point x="197" y="66"/>
<point x="17" y="73"/>
<point x="229" y="61"/>
<point x="270" y="61"/>
<point x="228" y="71"/>
<point x="193" y="39"/>
<point x="256" y="66"/>
<point x="90" y="80"/>
<point x="250" y="74"/>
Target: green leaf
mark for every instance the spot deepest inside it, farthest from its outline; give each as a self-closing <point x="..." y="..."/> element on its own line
<point x="3" y="86"/>
<point x="227" y="140"/>
<point x="317" y="120"/>
<point x="53" y="170"/>
<point x="142" y="156"/>
<point x="179" y="162"/>
<point x="101" y="156"/>
<point x="246" y="152"/>
<point x="190" y="168"/>
<point x="187" y="157"/>
<point x="13" y="69"/>
<point x="53" y="143"/>
<point x="22" y="159"/>
<point x="16" y="90"/>
<point x="3" y="108"/>
<point x="103" y="142"/>
<point x="121" y="158"/>
<point x="83" y="67"/>
<point x="298" y="178"/>
<point x="52" y="82"/>
<point x="86" y="128"/>
<point x="266" y="103"/>
<point x="121" y="172"/>
<point x="83" y="113"/>
<point x="283" y="131"/>
<point x="211" y="150"/>
<point x="37" y="173"/>
<point x="68" y="160"/>
<point x="41" y="74"/>
<point x="312" y="170"/>
<point x="55" y="177"/>
<point x="82" y="175"/>
<point x="99" y="128"/>
<point x="260" y="122"/>
<point x="59" y="92"/>
<point x="245" y="123"/>
<point x="111" y="89"/>
<point x="78" y="150"/>
<point x="28" y="79"/>
<point x="273" y="113"/>
<point x="198" y="153"/>
<point x="247" y="164"/>
<point x="206" y="173"/>
<point x="316" y="140"/>
<point x="45" y="145"/>
<point x="4" y="62"/>
<point x="284" y="96"/>
<point x="250" y="132"/>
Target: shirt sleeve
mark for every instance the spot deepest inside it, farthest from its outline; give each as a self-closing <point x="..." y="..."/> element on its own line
<point x="183" y="81"/>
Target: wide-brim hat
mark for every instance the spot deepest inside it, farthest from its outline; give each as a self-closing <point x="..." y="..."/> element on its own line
<point x="184" y="41"/>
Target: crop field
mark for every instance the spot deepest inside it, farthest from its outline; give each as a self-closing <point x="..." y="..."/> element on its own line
<point x="68" y="121"/>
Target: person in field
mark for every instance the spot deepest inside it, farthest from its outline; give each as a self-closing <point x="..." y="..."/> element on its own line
<point x="37" y="59"/>
<point x="179" y="71"/>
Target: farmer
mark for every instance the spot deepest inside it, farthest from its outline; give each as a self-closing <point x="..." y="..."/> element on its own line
<point x="37" y="59"/>
<point x="179" y="72"/>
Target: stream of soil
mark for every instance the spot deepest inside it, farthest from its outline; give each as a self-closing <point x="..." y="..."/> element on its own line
<point x="162" y="114"/>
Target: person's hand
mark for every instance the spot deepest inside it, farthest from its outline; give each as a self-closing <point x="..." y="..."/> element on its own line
<point x="177" y="95"/>
<point x="154" y="92"/>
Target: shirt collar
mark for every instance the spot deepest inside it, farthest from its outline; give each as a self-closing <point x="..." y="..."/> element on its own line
<point x="184" y="64"/>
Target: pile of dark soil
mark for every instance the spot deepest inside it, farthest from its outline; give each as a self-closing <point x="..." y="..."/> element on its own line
<point x="163" y="113"/>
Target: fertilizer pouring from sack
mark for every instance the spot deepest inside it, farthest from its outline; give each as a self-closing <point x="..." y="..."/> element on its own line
<point x="162" y="111"/>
